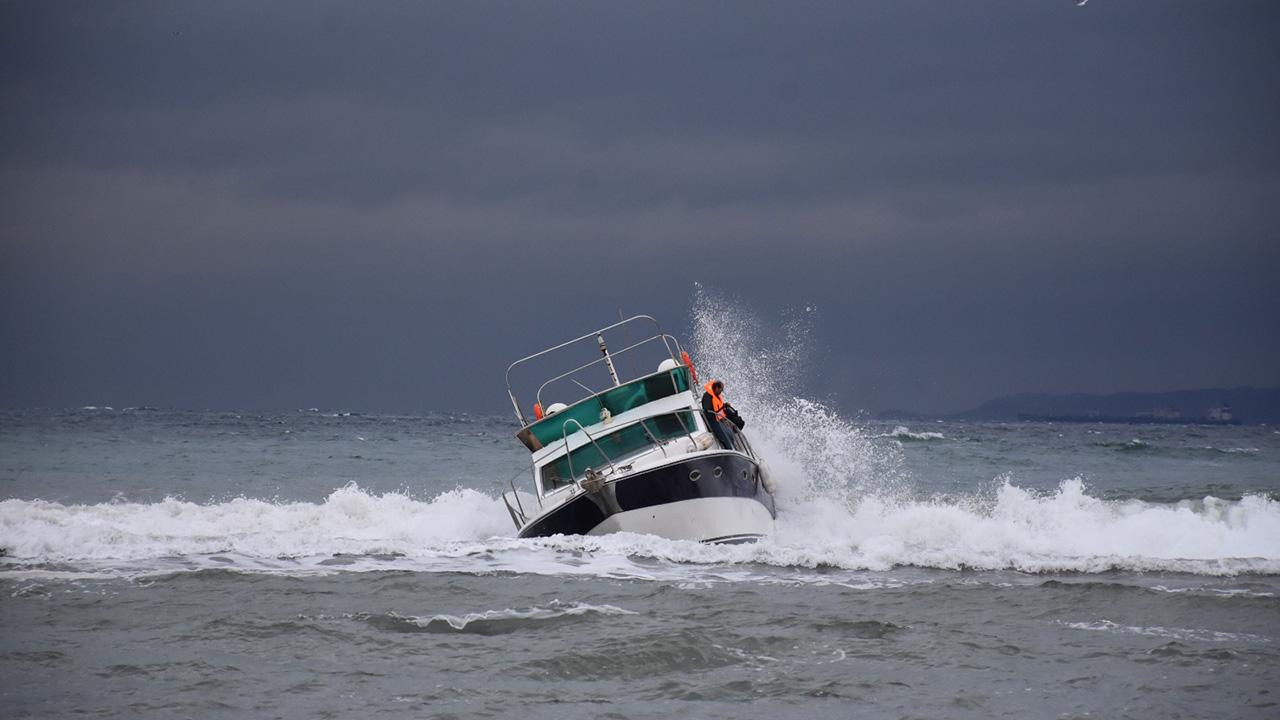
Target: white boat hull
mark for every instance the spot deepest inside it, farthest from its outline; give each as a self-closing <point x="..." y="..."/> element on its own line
<point x="708" y="519"/>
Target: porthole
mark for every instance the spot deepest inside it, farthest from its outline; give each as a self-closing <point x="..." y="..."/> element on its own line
<point x="744" y="473"/>
<point x="717" y="472"/>
<point x="694" y="475"/>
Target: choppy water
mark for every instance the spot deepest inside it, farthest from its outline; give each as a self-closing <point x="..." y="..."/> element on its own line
<point x="168" y="564"/>
<point x="172" y="564"/>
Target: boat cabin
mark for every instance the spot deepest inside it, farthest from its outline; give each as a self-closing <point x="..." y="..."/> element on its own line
<point x="607" y="432"/>
<point x="613" y="430"/>
<point x="636" y="454"/>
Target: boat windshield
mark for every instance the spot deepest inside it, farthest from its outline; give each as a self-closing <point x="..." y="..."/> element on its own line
<point x="619" y="445"/>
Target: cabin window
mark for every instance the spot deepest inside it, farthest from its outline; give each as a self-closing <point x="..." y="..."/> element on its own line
<point x="617" y="446"/>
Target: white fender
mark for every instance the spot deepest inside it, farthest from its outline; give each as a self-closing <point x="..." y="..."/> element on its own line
<point x="701" y="441"/>
<point x="766" y="477"/>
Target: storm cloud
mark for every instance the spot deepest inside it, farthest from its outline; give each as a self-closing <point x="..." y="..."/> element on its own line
<point x="378" y="206"/>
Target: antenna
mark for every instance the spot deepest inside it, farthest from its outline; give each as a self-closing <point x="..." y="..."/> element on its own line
<point x="608" y="361"/>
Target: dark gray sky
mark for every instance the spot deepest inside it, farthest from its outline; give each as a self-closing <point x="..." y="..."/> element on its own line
<point x="377" y="206"/>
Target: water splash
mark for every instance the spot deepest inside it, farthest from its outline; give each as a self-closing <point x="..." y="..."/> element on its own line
<point x="817" y="455"/>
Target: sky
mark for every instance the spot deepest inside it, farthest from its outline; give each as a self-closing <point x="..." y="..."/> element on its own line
<point x="378" y="206"/>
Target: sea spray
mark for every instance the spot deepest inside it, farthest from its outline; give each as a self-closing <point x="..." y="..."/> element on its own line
<point x="817" y="455"/>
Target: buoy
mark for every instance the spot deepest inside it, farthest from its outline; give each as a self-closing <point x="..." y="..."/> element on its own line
<point x="537" y="411"/>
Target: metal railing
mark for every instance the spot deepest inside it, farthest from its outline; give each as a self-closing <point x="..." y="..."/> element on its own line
<point x="568" y="456"/>
<point x="667" y="340"/>
<point x="518" y="515"/>
<point x="664" y="337"/>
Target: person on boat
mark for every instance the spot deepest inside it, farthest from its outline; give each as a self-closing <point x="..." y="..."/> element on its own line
<point x="716" y="412"/>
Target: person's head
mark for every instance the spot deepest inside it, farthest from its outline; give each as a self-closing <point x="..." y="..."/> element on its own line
<point x="717" y="387"/>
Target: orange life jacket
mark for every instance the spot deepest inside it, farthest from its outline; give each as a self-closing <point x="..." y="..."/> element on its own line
<point x="717" y="402"/>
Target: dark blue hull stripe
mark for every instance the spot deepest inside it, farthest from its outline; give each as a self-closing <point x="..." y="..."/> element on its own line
<point x="704" y="476"/>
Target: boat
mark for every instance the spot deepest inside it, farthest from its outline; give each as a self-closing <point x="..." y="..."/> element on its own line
<point x="636" y="455"/>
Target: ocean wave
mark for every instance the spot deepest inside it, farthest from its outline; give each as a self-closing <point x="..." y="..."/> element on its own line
<point x="463" y="530"/>
<point x="1172" y="633"/>
<point x="1133" y="445"/>
<point x="494" y="622"/>
<point x="1067" y="530"/>
<point x="349" y="521"/>
<point x="1137" y="445"/>
<point x="904" y="434"/>
<point x="1232" y="450"/>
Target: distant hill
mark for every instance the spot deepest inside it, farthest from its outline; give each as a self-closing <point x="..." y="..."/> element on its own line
<point x="1250" y="405"/>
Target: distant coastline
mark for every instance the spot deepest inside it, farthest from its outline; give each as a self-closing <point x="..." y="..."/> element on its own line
<point x="1130" y="419"/>
<point x="1205" y="406"/>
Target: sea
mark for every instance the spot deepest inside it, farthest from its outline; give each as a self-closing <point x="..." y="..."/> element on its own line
<point x="313" y="563"/>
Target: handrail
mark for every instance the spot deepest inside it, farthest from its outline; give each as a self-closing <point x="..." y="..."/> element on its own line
<point x="619" y="425"/>
<point x="515" y="404"/>
<point x="519" y="518"/>
<point x="516" y="495"/>
<point x="568" y="456"/>
<point x="661" y="446"/>
<point x="740" y="438"/>
<point x="593" y="333"/>
<point x="561" y="376"/>
<point x="519" y="515"/>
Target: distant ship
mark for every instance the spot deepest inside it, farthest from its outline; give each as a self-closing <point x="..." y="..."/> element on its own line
<point x="1220" y="415"/>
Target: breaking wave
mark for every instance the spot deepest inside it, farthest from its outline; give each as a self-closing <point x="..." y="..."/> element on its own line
<point x="349" y="521"/>
<point x="466" y="531"/>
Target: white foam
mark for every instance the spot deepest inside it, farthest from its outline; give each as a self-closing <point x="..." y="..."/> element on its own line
<point x="1067" y="530"/>
<point x="1219" y="591"/>
<point x="350" y="520"/>
<point x="464" y="530"/>
<point x="553" y="610"/>
<point x="902" y="432"/>
<point x="1190" y="634"/>
<point x="811" y="449"/>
